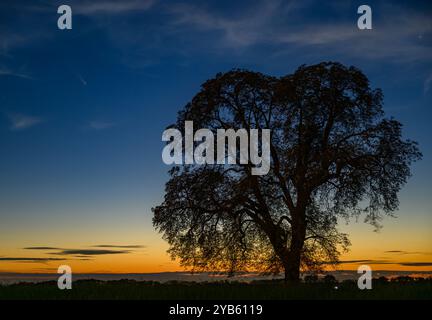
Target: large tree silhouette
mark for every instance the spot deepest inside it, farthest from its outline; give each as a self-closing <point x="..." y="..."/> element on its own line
<point x="333" y="154"/>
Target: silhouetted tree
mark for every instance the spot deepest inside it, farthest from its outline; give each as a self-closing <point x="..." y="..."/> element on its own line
<point x="329" y="279"/>
<point x="381" y="280"/>
<point x="333" y="154"/>
<point x="310" y="278"/>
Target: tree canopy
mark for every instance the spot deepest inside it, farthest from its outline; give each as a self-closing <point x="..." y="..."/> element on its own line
<point x="333" y="155"/>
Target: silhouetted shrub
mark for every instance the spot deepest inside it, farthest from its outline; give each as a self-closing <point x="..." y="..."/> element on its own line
<point x="381" y="280"/>
<point x="329" y="279"/>
<point x="403" y="279"/>
<point x="311" y="278"/>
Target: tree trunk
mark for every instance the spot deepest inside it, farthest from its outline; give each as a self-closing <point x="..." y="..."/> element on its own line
<point x="292" y="270"/>
<point x="293" y="258"/>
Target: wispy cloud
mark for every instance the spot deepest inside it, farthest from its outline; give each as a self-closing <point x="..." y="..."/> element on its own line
<point x="90" y="7"/>
<point x="11" y="40"/>
<point x="100" y="125"/>
<point x="41" y="248"/>
<point x="81" y="79"/>
<point x="8" y="72"/>
<point x="89" y="252"/>
<point x="238" y="31"/>
<point x="427" y="84"/>
<point x="132" y="246"/>
<point x="396" y="38"/>
<point x="406" y="252"/>
<point x="400" y="263"/>
<point x="26" y="259"/>
<point x="367" y="261"/>
<point x="104" y="249"/>
<point x="416" y="264"/>
<point x="354" y="261"/>
<point x="22" y="121"/>
<point x="401" y="37"/>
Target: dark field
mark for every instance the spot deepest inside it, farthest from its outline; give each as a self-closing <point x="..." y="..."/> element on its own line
<point x="403" y="288"/>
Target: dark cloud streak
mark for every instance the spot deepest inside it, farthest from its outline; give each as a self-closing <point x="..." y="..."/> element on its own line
<point x="103" y="249"/>
<point x="26" y="259"/>
<point x="406" y="252"/>
<point x="120" y="246"/>
<point x="416" y="264"/>
<point x="42" y="248"/>
<point x="89" y="252"/>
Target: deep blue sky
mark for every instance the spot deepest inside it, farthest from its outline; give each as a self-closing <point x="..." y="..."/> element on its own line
<point x="82" y="111"/>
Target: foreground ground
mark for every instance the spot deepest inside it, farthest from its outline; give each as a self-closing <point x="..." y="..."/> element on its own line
<point x="128" y="289"/>
<point x="261" y="290"/>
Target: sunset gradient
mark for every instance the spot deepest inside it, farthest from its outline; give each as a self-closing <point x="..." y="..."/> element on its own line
<point x="82" y="112"/>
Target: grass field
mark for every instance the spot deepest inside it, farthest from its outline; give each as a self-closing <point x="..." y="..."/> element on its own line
<point x="259" y="290"/>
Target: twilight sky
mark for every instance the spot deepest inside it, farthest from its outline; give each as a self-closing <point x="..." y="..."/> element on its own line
<point x="82" y="112"/>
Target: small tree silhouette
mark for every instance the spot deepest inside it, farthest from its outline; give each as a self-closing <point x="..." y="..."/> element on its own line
<point x="333" y="154"/>
<point x="311" y="278"/>
<point x="329" y="279"/>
